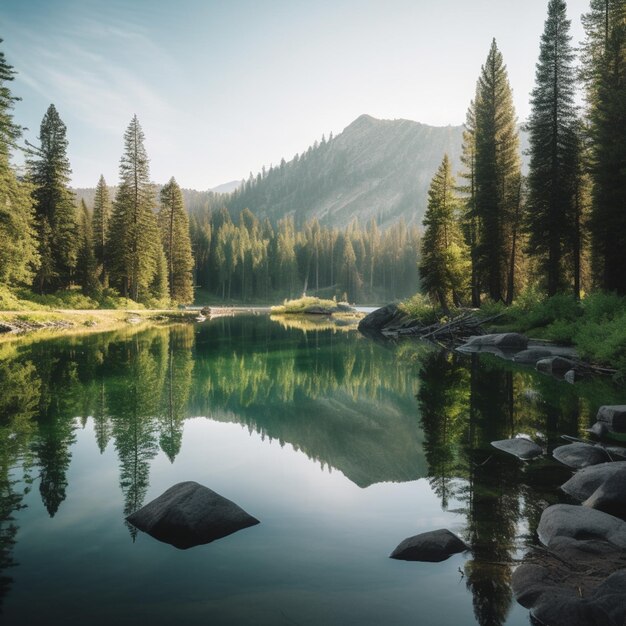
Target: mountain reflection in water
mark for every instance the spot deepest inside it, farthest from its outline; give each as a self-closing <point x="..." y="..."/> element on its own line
<point x="377" y="414"/>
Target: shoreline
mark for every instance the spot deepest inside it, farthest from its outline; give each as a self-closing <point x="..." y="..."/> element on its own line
<point x="17" y="324"/>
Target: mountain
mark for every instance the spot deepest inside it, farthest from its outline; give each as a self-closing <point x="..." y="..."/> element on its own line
<point x="228" y="187"/>
<point x="373" y="169"/>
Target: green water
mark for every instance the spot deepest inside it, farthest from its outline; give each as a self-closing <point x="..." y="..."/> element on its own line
<point x="341" y="447"/>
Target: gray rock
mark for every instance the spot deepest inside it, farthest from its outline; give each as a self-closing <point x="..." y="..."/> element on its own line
<point x="614" y="416"/>
<point x="433" y="546"/>
<point x="584" y="482"/>
<point x="189" y="514"/>
<point x="385" y="317"/>
<point x="573" y="376"/>
<point x="555" y="365"/>
<point x="577" y="455"/>
<point x="499" y="340"/>
<point x="566" y="609"/>
<point x="560" y="584"/>
<point x="610" y="496"/>
<point x="599" y="429"/>
<point x="579" y="522"/>
<point x="521" y="447"/>
<point x="532" y="355"/>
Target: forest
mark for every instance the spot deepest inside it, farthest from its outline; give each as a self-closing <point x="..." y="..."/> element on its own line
<point x="490" y="233"/>
<point x="559" y="229"/>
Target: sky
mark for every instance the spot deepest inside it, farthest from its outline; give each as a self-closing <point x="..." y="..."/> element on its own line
<point x="222" y="88"/>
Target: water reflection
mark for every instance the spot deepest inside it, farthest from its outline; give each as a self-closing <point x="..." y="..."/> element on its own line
<point x="375" y="413"/>
<point x="465" y="403"/>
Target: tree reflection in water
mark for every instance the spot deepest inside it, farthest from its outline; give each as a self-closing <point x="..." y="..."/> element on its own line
<point x="464" y="405"/>
<point x="343" y="400"/>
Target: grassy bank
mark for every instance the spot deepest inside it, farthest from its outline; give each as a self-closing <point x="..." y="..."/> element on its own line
<point x="595" y="326"/>
<point x="71" y="321"/>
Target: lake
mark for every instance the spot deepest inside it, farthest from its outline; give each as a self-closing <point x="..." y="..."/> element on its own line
<point x="339" y="445"/>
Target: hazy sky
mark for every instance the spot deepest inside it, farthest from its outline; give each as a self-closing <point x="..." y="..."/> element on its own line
<point x="224" y="87"/>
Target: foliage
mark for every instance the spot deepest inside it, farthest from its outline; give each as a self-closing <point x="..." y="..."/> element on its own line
<point x="49" y="172"/>
<point x="301" y="305"/>
<point x="497" y="177"/>
<point x="553" y="222"/>
<point x="444" y="260"/>
<point x="101" y="223"/>
<point x="18" y="246"/>
<point x="421" y="308"/>
<point x="136" y="253"/>
<point x="174" y="225"/>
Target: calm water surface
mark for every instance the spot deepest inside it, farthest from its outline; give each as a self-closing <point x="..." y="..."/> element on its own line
<point x="340" y="447"/>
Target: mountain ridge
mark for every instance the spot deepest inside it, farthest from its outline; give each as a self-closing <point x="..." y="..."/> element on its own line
<point x="374" y="169"/>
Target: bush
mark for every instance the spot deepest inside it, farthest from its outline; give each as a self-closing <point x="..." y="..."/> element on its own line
<point x="420" y="307"/>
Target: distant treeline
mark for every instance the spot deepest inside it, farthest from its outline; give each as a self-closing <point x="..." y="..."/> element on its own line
<point x="562" y="228"/>
<point x="249" y="259"/>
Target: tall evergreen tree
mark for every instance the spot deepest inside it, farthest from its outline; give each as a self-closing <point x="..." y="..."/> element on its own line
<point x="134" y="233"/>
<point x="18" y="245"/>
<point x="49" y="171"/>
<point x="470" y="221"/>
<point x="444" y="263"/>
<point x="498" y="173"/>
<point x="101" y="221"/>
<point x="87" y="270"/>
<point x="605" y="74"/>
<point x="174" y="225"/>
<point x="553" y="149"/>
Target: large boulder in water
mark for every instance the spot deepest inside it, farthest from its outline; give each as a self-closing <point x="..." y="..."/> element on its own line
<point x="521" y="447"/>
<point x="577" y="522"/>
<point x="610" y="496"/>
<point x="378" y="319"/>
<point x="585" y="482"/>
<point x="432" y="546"/>
<point x="189" y="514"/>
<point x="579" y="454"/>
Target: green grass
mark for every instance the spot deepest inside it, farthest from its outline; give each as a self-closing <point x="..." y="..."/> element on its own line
<point x="303" y="305"/>
<point x="21" y="299"/>
<point x="596" y="325"/>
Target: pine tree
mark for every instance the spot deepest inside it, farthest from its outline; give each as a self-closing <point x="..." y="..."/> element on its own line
<point x="553" y="149"/>
<point x="101" y="222"/>
<point x="174" y="225"/>
<point x="18" y="245"/>
<point x="87" y="270"/>
<point x="605" y="75"/>
<point x="134" y="234"/>
<point x="470" y="221"/>
<point x="498" y="174"/>
<point x="49" y="171"/>
<point x="444" y="263"/>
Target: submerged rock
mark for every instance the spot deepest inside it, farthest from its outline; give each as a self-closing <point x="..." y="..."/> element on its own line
<point x="579" y="454"/>
<point x="432" y="546"/>
<point x="580" y="522"/>
<point x="614" y="416"/>
<point x="189" y="514"/>
<point x="521" y="447"/>
<point x="557" y="603"/>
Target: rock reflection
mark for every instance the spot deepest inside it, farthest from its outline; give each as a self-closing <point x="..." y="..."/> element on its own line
<point x="465" y="404"/>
